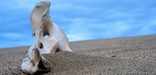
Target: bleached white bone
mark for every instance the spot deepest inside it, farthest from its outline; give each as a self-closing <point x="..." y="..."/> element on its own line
<point x="32" y="61"/>
<point x="42" y="26"/>
<point x="49" y="38"/>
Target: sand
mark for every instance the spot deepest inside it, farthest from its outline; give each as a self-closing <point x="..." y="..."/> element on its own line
<point x="120" y="56"/>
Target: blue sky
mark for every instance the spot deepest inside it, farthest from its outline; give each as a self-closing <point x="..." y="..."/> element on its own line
<point x="79" y="19"/>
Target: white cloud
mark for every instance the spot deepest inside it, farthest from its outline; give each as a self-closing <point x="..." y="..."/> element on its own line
<point x="77" y="37"/>
<point x="12" y="35"/>
<point x="83" y="29"/>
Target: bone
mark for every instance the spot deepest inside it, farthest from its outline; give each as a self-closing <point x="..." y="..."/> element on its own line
<point x="42" y="26"/>
<point x="35" y="62"/>
<point x="39" y="11"/>
<point x="49" y="39"/>
<point x="41" y="62"/>
<point x="37" y="56"/>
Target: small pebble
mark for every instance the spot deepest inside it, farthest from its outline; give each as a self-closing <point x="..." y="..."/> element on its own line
<point x="113" y="56"/>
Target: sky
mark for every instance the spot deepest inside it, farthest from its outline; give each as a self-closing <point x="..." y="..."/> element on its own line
<point x="79" y="19"/>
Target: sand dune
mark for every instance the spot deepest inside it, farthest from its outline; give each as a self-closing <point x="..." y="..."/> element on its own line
<point x="121" y="56"/>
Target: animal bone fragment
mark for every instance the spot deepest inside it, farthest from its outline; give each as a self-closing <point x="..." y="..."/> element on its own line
<point x="42" y="27"/>
<point x="49" y="39"/>
<point x="35" y="62"/>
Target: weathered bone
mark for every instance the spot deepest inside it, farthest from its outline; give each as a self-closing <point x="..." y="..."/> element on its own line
<point x="34" y="62"/>
<point x="42" y="26"/>
<point x="49" y="39"/>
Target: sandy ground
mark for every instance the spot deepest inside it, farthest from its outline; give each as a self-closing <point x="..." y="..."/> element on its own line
<point x="121" y="56"/>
